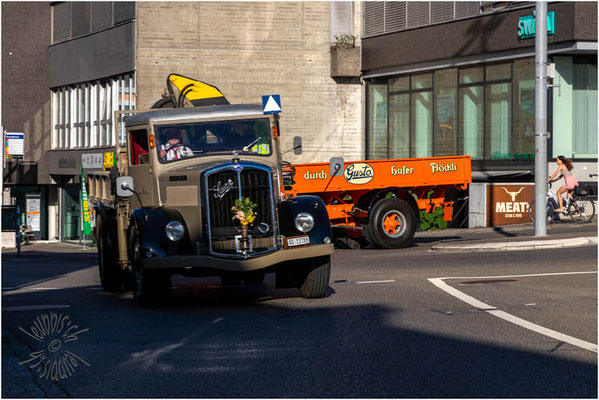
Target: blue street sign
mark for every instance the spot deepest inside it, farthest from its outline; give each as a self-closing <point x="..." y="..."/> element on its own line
<point x="271" y="104"/>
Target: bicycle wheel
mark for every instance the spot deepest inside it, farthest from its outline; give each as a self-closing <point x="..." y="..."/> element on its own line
<point x="581" y="209"/>
<point x="550" y="211"/>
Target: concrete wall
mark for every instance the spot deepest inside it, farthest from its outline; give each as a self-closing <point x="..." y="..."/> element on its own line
<point x="251" y="49"/>
<point x="25" y="93"/>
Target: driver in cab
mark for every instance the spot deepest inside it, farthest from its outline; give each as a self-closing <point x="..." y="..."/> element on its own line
<point x="245" y="137"/>
<point x="173" y="149"/>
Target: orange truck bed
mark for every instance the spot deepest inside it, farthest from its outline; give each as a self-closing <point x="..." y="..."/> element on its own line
<point x="355" y="190"/>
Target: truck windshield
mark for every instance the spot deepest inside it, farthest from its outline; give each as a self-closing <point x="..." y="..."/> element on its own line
<point x="247" y="136"/>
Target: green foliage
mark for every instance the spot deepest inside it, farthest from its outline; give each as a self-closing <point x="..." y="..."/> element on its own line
<point x="434" y="220"/>
<point x="345" y="41"/>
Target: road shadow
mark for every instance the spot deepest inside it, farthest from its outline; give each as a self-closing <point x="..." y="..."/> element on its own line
<point x="212" y="342"/>
<point x="39" y="266"/>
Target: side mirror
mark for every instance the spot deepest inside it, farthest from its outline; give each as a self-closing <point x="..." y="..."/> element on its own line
<point x="336" y="166"/>
<point x="124" y="186"/>
<point x="297" y="145"/>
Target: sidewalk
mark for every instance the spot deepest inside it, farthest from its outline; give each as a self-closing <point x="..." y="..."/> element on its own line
<point x="47" y="249"/>
<point x="514" y="238"/>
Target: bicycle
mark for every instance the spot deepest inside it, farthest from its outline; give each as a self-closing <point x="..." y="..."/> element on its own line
<point x="580" y="207"/>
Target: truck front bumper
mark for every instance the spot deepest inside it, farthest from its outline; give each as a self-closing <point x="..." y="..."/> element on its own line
<point x="237" y="264"/>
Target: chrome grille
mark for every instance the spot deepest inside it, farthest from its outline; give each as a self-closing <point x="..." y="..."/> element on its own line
<point x="252" y="182"/>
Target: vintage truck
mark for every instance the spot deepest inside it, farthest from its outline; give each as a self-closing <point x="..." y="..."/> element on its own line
<point x="168" y="205"/>
<point x="378" y="202"/>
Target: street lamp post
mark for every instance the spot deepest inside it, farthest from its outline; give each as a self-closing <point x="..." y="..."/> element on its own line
<point x="541" y="118"/>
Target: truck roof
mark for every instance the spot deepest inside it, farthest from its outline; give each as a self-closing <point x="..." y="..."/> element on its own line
<point x="176" y="114"/>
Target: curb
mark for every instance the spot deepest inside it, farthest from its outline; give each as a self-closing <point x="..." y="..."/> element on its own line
<point x="515" y="246"/>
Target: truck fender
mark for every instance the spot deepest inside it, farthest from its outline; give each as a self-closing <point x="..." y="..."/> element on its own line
<point x="289" y="209"/>
<point x="150" y="224"/>
<point x="367" y="201"/>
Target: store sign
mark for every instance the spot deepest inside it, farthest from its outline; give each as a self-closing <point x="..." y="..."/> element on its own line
<point x="33" y="212"/>
<point x="526" y="25"/>
<point x="94" y="160"/>
<point x="508" y="203"/>
<point x="14" y="145"/>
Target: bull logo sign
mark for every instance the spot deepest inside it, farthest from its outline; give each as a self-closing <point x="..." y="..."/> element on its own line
<point x="508" y="204"/>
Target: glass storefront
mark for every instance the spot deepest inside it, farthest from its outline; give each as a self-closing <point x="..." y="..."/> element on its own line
<point x="485" y="111"/>
<point x="453" y="112"/>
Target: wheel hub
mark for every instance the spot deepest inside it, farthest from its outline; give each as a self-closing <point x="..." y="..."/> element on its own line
<point x="394" y="224"/>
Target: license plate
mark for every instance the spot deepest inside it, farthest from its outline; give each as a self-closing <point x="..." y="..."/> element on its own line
<point x="298" y="241"/>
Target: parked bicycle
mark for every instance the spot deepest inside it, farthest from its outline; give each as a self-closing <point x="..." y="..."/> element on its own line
<point x="579" y="207"/>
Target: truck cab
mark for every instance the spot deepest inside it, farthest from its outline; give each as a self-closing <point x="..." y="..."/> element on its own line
<point x="171" y="205"/>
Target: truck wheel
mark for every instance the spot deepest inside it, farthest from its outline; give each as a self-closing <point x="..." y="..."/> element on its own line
<point x="391" y="224"/>
<point x="111" y="277"/>
<point x="316" y="276"/>
<point x="149" y="287"/>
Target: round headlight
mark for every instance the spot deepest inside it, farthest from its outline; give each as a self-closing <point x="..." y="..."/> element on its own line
<point x="304" y="222"/>
<point x="175" y="230"/>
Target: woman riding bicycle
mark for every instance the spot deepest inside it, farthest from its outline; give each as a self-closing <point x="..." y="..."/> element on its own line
<point x="564" y="166"/>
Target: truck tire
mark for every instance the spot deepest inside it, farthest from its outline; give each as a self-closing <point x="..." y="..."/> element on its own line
<point x="391" y="225"/>
<point x="315" y="278"/>
<point x="149" y="287"/>
<point x="111" y="276"/>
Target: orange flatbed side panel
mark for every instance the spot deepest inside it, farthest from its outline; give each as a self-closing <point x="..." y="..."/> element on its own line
<point x="380" y="174"/>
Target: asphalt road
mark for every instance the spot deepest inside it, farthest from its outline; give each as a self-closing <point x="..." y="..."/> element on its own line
<point x="384" y="330"/>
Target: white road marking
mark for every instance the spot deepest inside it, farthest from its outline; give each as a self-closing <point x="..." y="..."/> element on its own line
<point x="518" y="276"/>
<point x="36" y="307"/>
<point x="387" y="281"/>
<point x="512" y="318"/>
<point x="44" y="288"/>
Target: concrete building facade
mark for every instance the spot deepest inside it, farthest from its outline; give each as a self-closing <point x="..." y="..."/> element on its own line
<point x="26" y="109"/>
<point x="251" y="49"/>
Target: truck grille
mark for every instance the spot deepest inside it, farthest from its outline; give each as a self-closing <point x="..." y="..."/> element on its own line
<point x="223" y="187"/>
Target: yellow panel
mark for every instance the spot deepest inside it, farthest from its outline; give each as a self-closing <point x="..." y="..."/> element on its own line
<point x="199" y="90"/>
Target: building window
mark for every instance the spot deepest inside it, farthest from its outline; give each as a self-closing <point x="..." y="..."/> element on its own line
<point x="575" y="125"/>
<point x="524" y="108"/>
<point x="381" y="17"/>
<point x="377" y="120"/>
<point x="83" y="114"/>
<point x="446" y="143"/>
<point x="399" y="121"/>
<point x="71" y="20"/>
<point x="421" y="134"/>
<point x="497" y="121"/>
<point x="584" y="106"/>
<point x="342" y="19"/>
<point x="481" y="111"/>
